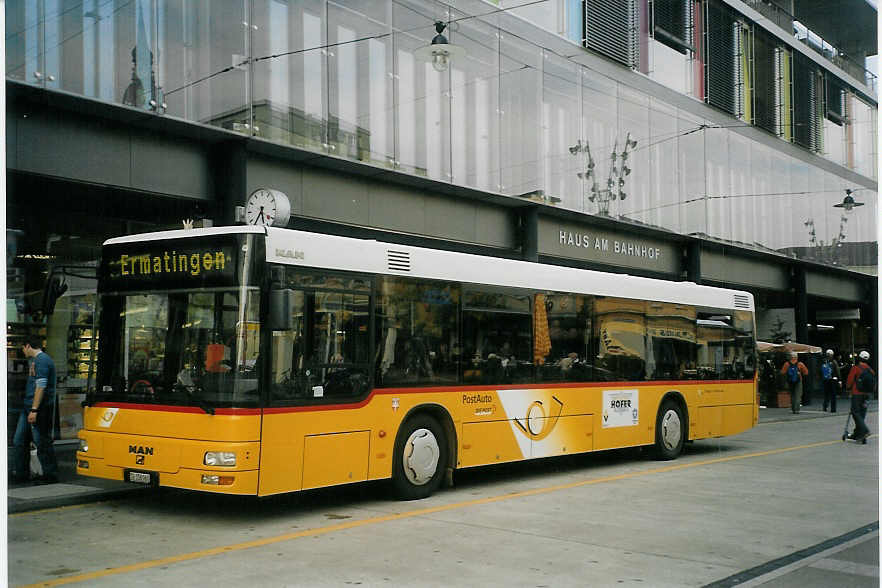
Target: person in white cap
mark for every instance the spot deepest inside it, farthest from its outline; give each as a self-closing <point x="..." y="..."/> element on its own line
<point x="861" y="382"/>
<point x="830" y="377"/>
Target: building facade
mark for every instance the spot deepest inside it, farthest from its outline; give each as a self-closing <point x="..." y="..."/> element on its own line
<point x="708" y="140"/>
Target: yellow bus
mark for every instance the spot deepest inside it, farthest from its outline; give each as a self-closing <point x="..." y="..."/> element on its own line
<point x="252" y="360"/>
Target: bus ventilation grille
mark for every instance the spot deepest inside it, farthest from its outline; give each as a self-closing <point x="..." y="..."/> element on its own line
<point x="742" y="301"/>
<point x="398" y="261"/>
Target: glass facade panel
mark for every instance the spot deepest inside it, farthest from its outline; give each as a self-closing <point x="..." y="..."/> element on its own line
<point x="690" y="143"/>
<point x="475" y="106"/>
<point x="863" y="122"/>
<point x="741" y="206"/>
<point x="664" y="195"/>
<point x="633" y="124"/>
<point x="198" y="41"/>
<point x="719" y="184"/>
<point x="520" y="97"/>
<point x="422" y="99"/>
<point x="762" y="183"/>
<point x="599" y="127"/>
<point x="342" y="78"/>
<point x="560" y="109"/>
<point x="360" y="82"/>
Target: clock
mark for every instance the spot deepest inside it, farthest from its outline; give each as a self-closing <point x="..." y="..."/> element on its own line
<point x="267" y="207"/>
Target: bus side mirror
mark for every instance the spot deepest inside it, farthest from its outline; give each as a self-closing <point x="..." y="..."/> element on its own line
<point x="281" y="310"/>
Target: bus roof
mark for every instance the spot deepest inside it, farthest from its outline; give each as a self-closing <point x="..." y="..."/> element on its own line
<point x="316" y="250"/>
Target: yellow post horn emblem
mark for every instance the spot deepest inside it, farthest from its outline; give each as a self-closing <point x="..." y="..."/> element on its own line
<point x="536" y="424"/>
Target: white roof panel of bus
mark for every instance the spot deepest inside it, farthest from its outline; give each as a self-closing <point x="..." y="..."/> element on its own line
<point x="300" y="248"/>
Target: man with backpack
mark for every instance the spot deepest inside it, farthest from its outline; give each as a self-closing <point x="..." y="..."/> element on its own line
<point x="862" y="383"/>
<point x="830" y="377"/>
<point x="794" y="371"/>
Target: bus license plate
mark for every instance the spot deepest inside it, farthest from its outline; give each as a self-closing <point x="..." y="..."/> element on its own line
<point x="139" y="477"/>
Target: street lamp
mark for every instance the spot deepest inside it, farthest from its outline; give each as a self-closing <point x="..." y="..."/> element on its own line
<point x="439" y="52"/>
<point x="848" y="203"/>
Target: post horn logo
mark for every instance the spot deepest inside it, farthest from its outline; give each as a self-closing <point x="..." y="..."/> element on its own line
<point x="540" y="419"/>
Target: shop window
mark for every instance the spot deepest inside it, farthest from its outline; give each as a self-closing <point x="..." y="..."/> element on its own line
<point x="417" y="333"/>
<point x="569" y="325"/>
<point x="497" y="336"/>
<point x="620" y="339"/>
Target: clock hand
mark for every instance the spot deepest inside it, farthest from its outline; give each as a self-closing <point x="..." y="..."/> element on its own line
<point x="259" y="216"/>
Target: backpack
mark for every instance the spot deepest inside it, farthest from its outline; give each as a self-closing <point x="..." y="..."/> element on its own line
<point x="866" y="381"/>
<point x="827" y="370"/>
<point x="793" y="373"/>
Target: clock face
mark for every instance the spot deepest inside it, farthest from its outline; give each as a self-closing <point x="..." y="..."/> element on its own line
<point x="267" y="207"/>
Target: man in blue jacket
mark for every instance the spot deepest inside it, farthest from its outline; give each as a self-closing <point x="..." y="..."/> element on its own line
<point x="36" y="414"/>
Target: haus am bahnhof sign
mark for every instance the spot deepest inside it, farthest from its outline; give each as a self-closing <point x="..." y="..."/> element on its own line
<point x="629" y="250"/>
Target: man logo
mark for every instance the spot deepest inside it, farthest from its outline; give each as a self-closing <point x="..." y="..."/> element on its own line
<point x="140" y="450"/>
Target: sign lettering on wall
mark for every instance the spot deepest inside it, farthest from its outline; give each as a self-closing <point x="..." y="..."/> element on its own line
<point x="612" y="248"/>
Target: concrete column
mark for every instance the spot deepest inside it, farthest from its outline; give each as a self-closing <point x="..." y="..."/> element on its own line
<point x="230" y="179"/>
<point x="529" y="237"/>
<point x="800" y="301"/>
<point x="692" y="262"/>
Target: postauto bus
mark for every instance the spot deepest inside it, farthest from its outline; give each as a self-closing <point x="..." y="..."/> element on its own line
<point x="253" y="360"/>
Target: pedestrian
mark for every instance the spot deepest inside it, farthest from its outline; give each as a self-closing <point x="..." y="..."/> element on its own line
<point x="862" y="383"/>
<point x="830" y="377"/>
<point x="36" y="414"/>
<point x="794" y="371"/>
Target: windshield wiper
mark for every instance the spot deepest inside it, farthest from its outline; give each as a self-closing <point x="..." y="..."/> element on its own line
<point x="194" y="397"/>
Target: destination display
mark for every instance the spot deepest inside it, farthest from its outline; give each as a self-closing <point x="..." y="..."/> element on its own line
<point x="181" y="263"/>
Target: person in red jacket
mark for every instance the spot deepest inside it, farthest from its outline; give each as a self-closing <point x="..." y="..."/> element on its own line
<point x="859" y="398"/>
<point x="794" y="371"/>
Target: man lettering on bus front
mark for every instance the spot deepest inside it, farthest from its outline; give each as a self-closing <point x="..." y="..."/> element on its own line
<point x="794" y="371"/>
<point x="35" y="416"/>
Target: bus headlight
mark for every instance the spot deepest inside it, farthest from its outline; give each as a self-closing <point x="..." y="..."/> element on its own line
<point x="84" y="446"/>
<point x="219" y="458"/>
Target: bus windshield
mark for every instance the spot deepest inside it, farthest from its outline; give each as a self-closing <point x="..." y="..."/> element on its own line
<point x="191" y="348"/>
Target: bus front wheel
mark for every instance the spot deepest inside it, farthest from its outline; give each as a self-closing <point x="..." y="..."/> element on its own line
<point x="420" y="458"/>
<point x="670" y="430"/>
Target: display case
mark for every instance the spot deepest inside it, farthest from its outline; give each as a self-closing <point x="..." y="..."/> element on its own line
<point x="81" y="353"/>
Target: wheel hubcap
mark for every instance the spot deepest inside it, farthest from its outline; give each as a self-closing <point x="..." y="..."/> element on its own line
<point x="671" y="430"/>
<point x="421" y="455"/>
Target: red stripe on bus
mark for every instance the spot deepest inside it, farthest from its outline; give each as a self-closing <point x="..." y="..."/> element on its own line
<point x="173" y="408"/>
<point x="437" y="389"/>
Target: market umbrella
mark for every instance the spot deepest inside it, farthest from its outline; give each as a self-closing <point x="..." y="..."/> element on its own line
<point x="788" y="347"/>
<point x="541" y="337"/>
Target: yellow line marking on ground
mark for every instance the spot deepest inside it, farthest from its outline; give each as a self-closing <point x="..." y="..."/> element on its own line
<point x="404" y="515"/>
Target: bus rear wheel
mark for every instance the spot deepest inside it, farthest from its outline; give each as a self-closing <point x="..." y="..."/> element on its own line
<point x="670" y="431"/>
<point x="420" y="458"/>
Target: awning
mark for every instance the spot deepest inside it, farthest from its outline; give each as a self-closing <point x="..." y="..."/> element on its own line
<point x="790" y="346"/>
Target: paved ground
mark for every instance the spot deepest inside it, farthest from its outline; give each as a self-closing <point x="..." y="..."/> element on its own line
<point x="516" y="525"/>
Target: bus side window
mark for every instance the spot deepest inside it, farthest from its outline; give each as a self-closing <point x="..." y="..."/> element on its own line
<point x="287" y="346"/>
<point x="620" y="331"/>
<point x="569" y="319"/>
<point x="416" y="333"/>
